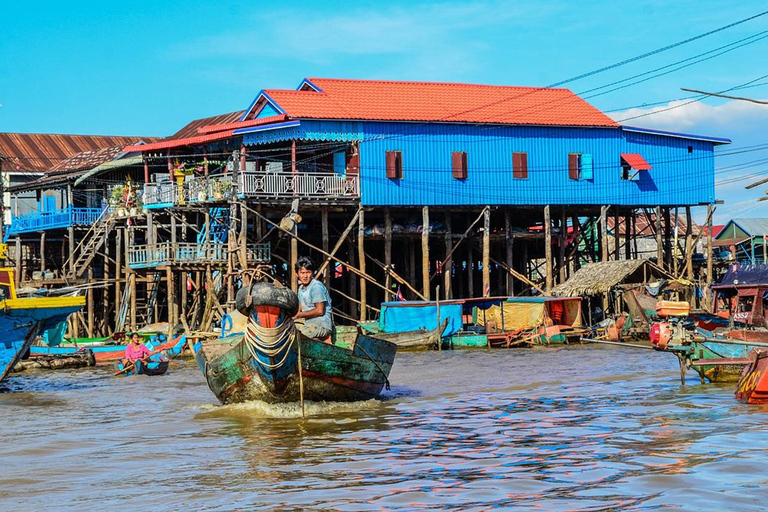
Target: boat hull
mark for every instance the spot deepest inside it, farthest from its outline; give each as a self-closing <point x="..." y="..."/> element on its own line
<point x="329" y="372"/>
<point x="21" y="320"/>
<point x="105" y="353"/>
<point x="753" y="384"/>
<point x="142" y="368"/>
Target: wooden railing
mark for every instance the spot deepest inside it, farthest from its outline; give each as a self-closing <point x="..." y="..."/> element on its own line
<point x="281" y="185"/>
<point x="169" y="253"/>
<point x="53" y="219"/>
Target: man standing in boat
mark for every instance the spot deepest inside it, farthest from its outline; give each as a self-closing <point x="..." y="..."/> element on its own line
<point x="314" y="317"/>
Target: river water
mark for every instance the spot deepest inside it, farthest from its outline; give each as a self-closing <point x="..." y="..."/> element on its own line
<point x="569" y="428"/>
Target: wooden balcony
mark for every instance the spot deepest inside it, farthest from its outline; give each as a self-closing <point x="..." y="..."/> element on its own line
<point x="265" y="185"/>
<point x="53" y="219"/>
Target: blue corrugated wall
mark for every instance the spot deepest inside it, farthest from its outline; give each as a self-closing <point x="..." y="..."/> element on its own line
<point x="677" y="178"/>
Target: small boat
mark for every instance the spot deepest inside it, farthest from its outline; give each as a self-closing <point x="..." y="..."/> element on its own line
<point x="155" y="366"/>
<point x="22" y="319"/>
<point x="107" y="349"/>
<point x="419" y="339"/>
<point x="753" y="384"/>
<point x="263" y="363"/>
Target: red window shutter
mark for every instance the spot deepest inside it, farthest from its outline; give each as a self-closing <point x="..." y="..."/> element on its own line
<point x="520" y="165"/>
<point x="459" y="164"/>
<point x="573" y="166"/>
<point x="392" y="165"/>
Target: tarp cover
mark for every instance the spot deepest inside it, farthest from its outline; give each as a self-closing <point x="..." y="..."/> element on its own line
<point x="744" y="275"/>
<point x="517" y="315"/>
<point x="419" y="316"/>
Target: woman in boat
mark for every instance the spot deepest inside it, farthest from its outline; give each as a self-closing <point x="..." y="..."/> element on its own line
<point x="135" y="350"/>
<point x="314" y="316"/>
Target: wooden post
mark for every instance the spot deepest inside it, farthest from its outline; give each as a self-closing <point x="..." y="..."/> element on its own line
<point x="326" y="242"/>
<point x="548" y="249"/>
<point x="71" y="241"/>
<point x="675" y="263"/>
<point x="146" y="170"/>
<point x="709" y="246"/>
<point x="448" y="267"/>
<point x="42" y="254"/>
<point x="294" y="258"/>
<point x="425" y="252"/>
<point x="352" y="257"/>
<point x="659" y="240"/>
<point x="182" y="310"/>
<point x="411" y="261"/>
<point x="131" y="275"/>
<point x="577" y="238"/>
<point x="509" y="246"/>
<point x="89" y="300"/>
<point x="171" y="297"/>
<point x="688" y="244"/>
<point x="243" y="235"/>
<point x="561" y="266"/>
<point x="628" y="236"/>
<point x="470" y="271"/>
<point x="387" y="247"/>
<point x="616" y="239"/>
<point x="361" y="265"/>
<point x="604" y="232"/>
<point x="19" y="257"/>
<point x="487" y="252"/>
<point x="118" y="273"/>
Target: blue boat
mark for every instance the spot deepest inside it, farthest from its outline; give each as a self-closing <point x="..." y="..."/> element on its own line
<point x="22" y="320"/>
<point x="108" y="351"/>
<point x="156" y="365"/>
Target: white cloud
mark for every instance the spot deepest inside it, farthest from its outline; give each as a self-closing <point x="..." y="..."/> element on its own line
<point x="677" y="115"/>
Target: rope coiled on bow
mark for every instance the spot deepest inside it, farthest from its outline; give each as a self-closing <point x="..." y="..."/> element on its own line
<point x="270" y="342"/>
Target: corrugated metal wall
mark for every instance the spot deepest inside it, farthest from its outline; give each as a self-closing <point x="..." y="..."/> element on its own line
<point x="678" y="177"/>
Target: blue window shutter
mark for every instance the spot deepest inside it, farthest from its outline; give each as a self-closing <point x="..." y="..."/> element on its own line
<point x="586" y="166"/>
<point x="340" y="162"/>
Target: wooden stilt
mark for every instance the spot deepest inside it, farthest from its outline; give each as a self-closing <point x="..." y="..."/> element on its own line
<point x="688" y="244"/>
<point x="470" y="271"/>
<point x="627" y="236"/>
<point x="709" y="246"/>
<point x="487" y="252"/>
<point x="548" y="249"/>
<point x="448" y="266"/>
<point x="171" y="295"/>
<point x="361" y="266"/>
<point x="352" y="258"/>
<point x="425" y="252"/>
<point x="294" y="258"/>
<point x="71" y="241"/>
<point x="118" y="273"/>
<point x="326" y="242"/>
<point x="616" y="239"/>
<point x="89" y="303"/>
<point x="659" y="239"/>
<point x="411" y="260"/>
<point x="131" y="277"/>
<point x="561" y="266"/>
<point x="604" y="232"/>
<point x="42" y="254"/>
<point x="509" y="251"/>
<point x="578" y="237"/>
<point x="388" y="247"/>
<point x="243" y="236"/>
<point x="182" y="311"/>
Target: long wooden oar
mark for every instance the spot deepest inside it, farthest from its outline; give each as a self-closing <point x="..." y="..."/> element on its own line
<point x="621" y="344"/>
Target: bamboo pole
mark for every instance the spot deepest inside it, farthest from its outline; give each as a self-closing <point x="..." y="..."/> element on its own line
<point x="513" y="273"/>
<point x="331" y="255"/>
<point x="425" y="253"/>
<point x="462" y="238"/>
<point x="548" y="249"/>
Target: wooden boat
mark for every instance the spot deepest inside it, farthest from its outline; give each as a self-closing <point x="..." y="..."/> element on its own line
<point x="152" y="367"/>
<point x="79" y="360"/>
<point x="753" y="384"/>
<point x="420" y="339"/>
<point x="107" y="350"/>
<point x="21" y="320"/>
<point x="263" y="364"/>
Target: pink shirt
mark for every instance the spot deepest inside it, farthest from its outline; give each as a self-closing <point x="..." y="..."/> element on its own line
<point x="133" y="352"/>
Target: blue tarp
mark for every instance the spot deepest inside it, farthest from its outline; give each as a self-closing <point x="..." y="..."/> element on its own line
<point x="415" y="317"/>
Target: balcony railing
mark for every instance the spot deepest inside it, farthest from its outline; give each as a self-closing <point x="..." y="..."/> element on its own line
<point x="53" y="219"/>
<point x="279" y="185"/>
<point x="169" y="253"/>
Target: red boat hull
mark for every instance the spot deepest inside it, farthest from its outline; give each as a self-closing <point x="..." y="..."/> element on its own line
<point x="753" y="384"/>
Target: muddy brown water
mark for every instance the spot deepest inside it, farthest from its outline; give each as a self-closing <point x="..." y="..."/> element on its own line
<point x="569" y="428"/>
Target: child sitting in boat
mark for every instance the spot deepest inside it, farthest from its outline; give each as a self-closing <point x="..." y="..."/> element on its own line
<point x="314" y="316"/>
<point x="135" y="350"/>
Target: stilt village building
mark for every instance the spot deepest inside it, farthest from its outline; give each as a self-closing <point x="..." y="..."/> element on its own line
<point x="425" y="190"/>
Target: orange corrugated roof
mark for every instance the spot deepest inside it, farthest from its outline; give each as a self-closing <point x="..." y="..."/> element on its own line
<point x="436" y="102"/>
<point x="636" y="161"/>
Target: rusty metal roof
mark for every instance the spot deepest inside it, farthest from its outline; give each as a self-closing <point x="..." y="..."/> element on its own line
<point x="190" y="129"/>
<point x="39" y="152"/>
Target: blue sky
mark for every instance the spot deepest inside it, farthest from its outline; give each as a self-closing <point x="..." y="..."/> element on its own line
<point x="146" y="68"/>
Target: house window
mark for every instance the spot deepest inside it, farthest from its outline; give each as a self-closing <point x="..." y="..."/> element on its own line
<point x="580" y="166"/>
<point x="520" y="166"/>
<point x="690" y="149"/>
<point x="395" y="165"/>
<point x="459" y="165"/>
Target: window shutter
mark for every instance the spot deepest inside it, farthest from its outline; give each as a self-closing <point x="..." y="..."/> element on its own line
<point x="573" y="166"/>
<point x="394" y="165"/>
<point x="459" y="164"/>
<point x="586" y="167"/>
<point x="353" y="161"/>
<point x="520" y="165"/>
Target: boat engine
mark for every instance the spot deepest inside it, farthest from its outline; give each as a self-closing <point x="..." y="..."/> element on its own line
<point x="673" y="331"/>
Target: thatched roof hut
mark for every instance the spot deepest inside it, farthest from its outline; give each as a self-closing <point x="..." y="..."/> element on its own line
<point x="599" y="278"/>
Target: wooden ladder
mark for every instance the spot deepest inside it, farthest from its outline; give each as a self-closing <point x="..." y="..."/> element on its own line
<point x="89" y="245"/>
